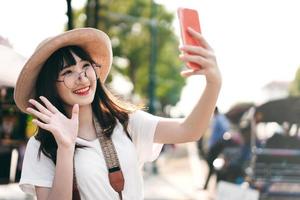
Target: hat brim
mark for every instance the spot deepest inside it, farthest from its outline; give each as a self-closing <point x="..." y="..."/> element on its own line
<point x="95" y="42"/>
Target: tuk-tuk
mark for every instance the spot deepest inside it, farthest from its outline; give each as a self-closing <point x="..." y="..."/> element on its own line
<point x="275" y="164"/>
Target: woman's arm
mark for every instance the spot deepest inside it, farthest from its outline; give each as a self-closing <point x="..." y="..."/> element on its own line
<point x="63" y="179"/>
<point x="191" y="128"/>
<point x="65" y="131"/>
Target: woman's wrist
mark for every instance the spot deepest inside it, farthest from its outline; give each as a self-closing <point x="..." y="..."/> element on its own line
<point x="217" y="83"/>
<point x="66" y="149"/>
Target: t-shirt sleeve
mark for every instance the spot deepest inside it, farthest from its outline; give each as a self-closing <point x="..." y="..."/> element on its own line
<point x="142" y="126"/>
<point x="35" y="171"/>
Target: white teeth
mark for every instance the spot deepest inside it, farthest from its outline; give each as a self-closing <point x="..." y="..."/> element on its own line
<point x="82" y="90"/>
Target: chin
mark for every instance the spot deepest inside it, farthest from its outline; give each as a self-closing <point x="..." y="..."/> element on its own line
<point x="83" y="101"/>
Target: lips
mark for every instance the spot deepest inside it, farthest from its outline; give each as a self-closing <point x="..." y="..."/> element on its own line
<point x="82" y="91"/>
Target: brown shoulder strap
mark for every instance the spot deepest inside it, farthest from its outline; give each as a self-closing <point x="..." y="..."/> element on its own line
<point x="115" y="174"/>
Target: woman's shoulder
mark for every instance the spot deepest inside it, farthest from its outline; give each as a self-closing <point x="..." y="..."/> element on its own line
<point x="141" y="117"/>
<point x="134" y="113"/>
<point x="137" y="115"/>
<point x="33" y="144"/>
<point x="33" y="152"/>
<point x="32" y="140"/>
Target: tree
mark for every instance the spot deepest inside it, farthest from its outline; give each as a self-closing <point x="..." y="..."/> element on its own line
<point x="295" y="85"/>
<point x="91" y="11"/>
<point x="128" y="25"/>
<point x="70" y="15"/>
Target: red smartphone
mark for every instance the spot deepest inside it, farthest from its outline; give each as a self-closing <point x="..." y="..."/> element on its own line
<point x="189" y="18"/>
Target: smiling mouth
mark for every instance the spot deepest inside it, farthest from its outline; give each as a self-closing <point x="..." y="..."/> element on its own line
<point x="82" y="91"/>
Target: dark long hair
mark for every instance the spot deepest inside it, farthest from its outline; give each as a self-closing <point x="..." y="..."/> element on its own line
<point x="106" y="107"/>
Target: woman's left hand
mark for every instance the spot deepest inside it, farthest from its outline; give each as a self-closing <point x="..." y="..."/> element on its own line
<point x="202" y="55"/>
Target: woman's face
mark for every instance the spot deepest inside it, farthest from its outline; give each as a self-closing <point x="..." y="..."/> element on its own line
<point x="77" y="83"/>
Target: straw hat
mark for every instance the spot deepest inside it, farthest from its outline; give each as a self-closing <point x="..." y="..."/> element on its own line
<point x="93" y="41"/>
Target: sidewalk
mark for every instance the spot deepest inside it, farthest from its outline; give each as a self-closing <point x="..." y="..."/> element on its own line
<point x="181" y="175"/>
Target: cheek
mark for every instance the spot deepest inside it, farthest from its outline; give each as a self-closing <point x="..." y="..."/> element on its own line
<point x="63" y="93"/>
<point x="60" y="89"/>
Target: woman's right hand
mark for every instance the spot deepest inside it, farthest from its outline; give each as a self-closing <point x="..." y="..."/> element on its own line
<point x="64" y="130"/>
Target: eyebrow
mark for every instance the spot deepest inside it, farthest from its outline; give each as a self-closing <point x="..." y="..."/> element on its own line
<point x="80" y="61"/>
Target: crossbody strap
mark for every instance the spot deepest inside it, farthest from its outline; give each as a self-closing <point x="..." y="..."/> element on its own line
<point x="115" y="174"/>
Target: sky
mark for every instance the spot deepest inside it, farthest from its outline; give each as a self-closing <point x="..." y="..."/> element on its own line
<point x="255" y="41"/>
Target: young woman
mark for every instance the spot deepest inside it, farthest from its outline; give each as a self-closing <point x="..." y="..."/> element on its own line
<point x="63" y="86"/>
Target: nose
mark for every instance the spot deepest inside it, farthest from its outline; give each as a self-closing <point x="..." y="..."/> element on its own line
<point x="84" y="74"/>
<point x="82" y="77"/>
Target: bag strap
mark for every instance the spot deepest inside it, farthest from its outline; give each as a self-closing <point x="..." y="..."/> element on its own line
<point x="115" y="174"/>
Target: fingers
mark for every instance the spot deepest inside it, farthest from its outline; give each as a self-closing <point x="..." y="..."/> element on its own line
<point x="42" y="125"/>
<point x="190" y="72"/>
<point x="40" y="107"/>
<point x="194" y="58"/>
<point x="196" y="50"/>
<point x="75" y="112"/>
<point x="49" y="105"/>
<point x="39" y="115"/>
<point x="199" y="36"/>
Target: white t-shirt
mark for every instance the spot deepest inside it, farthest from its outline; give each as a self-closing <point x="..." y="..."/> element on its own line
<point x="90" y="167"/>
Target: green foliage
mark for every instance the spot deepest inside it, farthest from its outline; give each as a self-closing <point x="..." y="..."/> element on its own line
<point x="294" y="89"/>
<point x="128" y="25"/>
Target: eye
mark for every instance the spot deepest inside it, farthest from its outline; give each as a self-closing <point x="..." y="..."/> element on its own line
<point x="86" y="65"/>
<point x="66" y="72"/>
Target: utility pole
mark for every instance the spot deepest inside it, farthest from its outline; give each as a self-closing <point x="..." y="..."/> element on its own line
<point x="70" y="15"/>
<point x="152" y="66"/>
<point x="96" y="14"/>
<point x="153" y="57"/>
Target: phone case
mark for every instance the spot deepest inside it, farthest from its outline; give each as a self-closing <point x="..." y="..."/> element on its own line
<point x="189" y="18"/>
